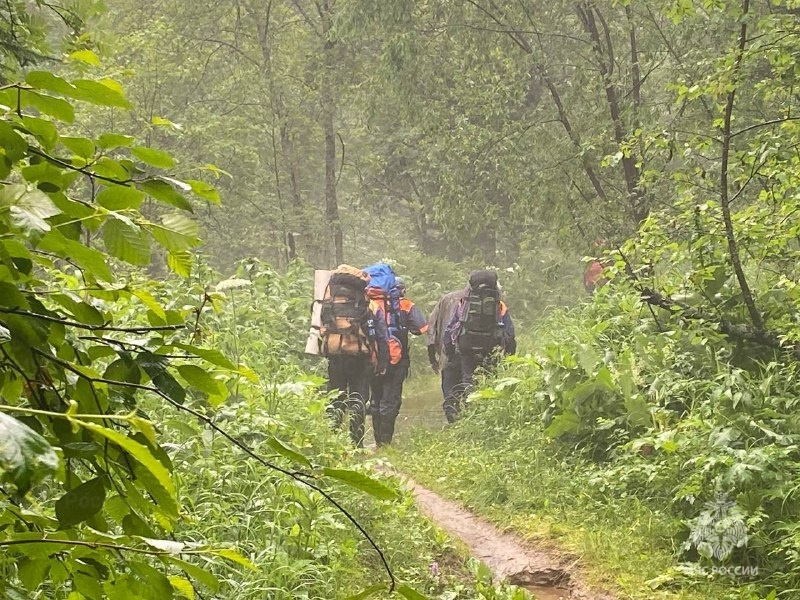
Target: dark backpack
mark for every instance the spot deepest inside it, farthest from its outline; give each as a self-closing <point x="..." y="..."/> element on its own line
<point x="345" y="316"/>
<point x="480" y="329"/>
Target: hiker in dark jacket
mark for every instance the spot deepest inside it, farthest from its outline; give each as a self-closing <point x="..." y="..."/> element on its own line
<point x="355" y="341"/>
<point x="450" y="368"/>
<point x="387" y="391"/>
<point x="480" y="326"/>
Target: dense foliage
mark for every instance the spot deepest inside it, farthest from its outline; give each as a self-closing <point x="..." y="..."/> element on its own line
<point x="162" y="436"/>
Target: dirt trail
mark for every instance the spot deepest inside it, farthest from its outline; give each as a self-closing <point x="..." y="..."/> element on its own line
<point x="543" y="573"/>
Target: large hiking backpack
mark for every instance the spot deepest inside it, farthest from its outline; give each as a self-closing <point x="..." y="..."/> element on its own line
<point x="344" y="316"/>
<point x="480" y="328"/>
<point x="383" y="289"/>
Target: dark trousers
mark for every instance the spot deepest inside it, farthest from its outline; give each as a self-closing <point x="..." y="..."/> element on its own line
<point x="461" y="380"/>
<point x="349" y="375"/>
<point x="385" y="401"/>
<point x="451" y="388"/>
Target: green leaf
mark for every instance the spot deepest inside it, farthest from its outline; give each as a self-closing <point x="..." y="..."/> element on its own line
<point x="180" y="263"/>
<point x="81" y="503"/>
<point x="28" y="208"/>
<point x="150" y="302"/>
<point x="362" y="482"/>
<point x="105" y="92"/>
<point x="85" y="56"/>
<point x="287" y="452"/>
<point x="58" y="108"/>
<point x="126" y="241"/>
<point x="153" y="157"/>
<point x="204" y="190"/>
<point x="199" y="574"/>
<point x="215" y="357"/>
<point x="147" y="583"/>
<point x="48" y="81"/>
<point x="199" y="378"/>
<point x="234" y="556"/>
<point x="182" y="586"/>
<point x="605" y="380"/>
<point x="32" y="571"/>
<point x="143" y="455"/>
<point x="110" y="141"/>
<point x="42" y="129"/>
<point x="11" y="297"/>
<point x="410" y="593"/>
<point x="93" y="262"/>
<point x="12" y="143"/>
<point x="25" y="456"/>
<point x="177" y="234"/>
<point x="567" y="422"/>
<point x="120" y="197"/>
<point x="164" y="192"/>
<point x="82" y="311"/>
<point x="82" y="147"/>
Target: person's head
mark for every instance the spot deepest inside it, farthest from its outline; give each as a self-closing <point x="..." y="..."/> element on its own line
<point x="400" y="284"/>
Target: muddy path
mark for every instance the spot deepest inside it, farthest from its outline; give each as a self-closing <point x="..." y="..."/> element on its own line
<point x="544" y="573"/>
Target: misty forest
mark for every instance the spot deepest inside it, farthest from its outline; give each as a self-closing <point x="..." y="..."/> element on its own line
<point x="421" y="299"/>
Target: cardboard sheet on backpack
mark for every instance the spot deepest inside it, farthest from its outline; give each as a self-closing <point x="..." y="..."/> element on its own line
<point x="321" y="279"/>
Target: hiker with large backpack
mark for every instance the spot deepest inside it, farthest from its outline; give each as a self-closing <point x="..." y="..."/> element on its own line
<point x="480" y="327"/>
<point x="402" y="318"/>
<point x="353" y="337"/>
<point x="448" y="368"/>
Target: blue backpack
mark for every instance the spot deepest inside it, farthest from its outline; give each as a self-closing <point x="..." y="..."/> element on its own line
<point x="383" y="286"/>
<point x="382" y="276"/>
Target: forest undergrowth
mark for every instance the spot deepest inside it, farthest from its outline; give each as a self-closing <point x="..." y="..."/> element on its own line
<point x="609" y="438"/>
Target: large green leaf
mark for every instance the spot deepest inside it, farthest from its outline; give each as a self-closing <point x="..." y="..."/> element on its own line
<point x="81" y="146"/>
<point x="410" y="593"/>
<point x="567" y="422"/>
<point x="81" y="503"/>
<point x="11" y="142"/>
<point x="46" y="80"/>
<point x="28" y="207"/>
<point x="93" y="262"/>
<point x="215" y="357"/>
<point x="178" y="233"/>
<point x="106" y="92"/>
<point x="164" y="192"/>
<point x="204" y="190"/>
<point x="197" y="573"/>
<point x="25" y="456"/>
<point x="180" y="263"/>
<point x="142" y="582"/>
<point x="362" y="482"/>
<point x="120" y="197"/>
<point x="58" y="108"/>
<point x="143" y="455"/>
<point x="153" y="157"/>
<point x="199" y="378"/>
<point x="287" y="452"/>
<point x="126" y="240"/>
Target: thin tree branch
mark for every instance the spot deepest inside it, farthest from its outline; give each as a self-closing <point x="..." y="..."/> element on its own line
<point x="68" y="323"/>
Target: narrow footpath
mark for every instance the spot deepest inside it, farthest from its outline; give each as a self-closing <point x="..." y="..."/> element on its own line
<point x="542" y="572"/>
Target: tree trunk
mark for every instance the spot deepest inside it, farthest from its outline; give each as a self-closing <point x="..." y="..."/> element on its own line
<point x="328" y="113"/>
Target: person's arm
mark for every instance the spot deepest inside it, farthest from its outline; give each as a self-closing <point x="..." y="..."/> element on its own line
<point x="448" y="341"/>
<point x="433" y="336"/>
<point x="416" y="322"/>
<point x="381" y="341"/>
<point x="509" y="336"/>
